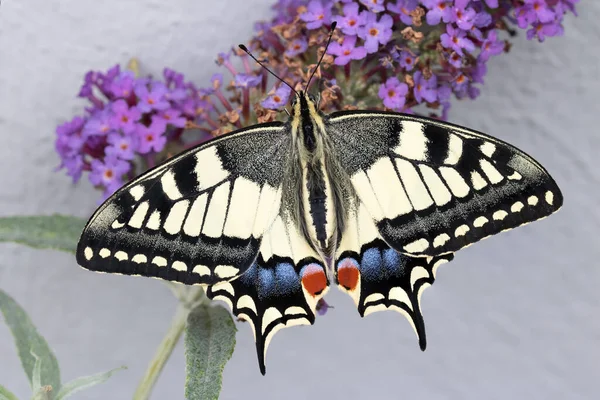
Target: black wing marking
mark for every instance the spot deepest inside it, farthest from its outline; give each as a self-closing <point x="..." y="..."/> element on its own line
<point x="196" y="219"/>
<point x="280" y="289"/>
<point x="433" y="187"/>
<point x="380" y="278"/>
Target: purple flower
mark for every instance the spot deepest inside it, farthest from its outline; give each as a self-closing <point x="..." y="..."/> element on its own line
<point x="425" y="88"/>
<point x="151" y="137"/>
<point x="393" y="93"/>
<point x="352" y="20"/>
<point x="455" y="60"/>
<point x="455" y="39"/>
<point x="120" y="146"/>
<point x="438" y="9"/>
<point x="100" y="123"/>
<point x="74" y="166"/>
<point x="542" y="30"/>
<point x="171" y="117"/>
<point x="245" y="81"/>
<point x="525" y="16"/>
<point x="316" y="14"/>
<point x="462" y="16"/>
<point x="122" y="85"/>
<point x="376" y="32"/>
<point x="278" y="99"/>
<point x="374" y="5"/>
<point x="346" y="51"/>
<point x="403" y="8"/>
<point x="541" y="10"/>
<point x="123" y="117"/>
<point x="406" y="60"/>
<point x="151" y="99"/>
<point x="491" y="47"/>
<point x="297" y="46"/>
<point x="108" y="172"/>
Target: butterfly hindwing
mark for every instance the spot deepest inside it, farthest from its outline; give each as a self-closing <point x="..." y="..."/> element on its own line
<point x="280" y="289"/>
<point x="380" y="278"/>
<point x="196" y="219"/>
<point x="432" y="187"/>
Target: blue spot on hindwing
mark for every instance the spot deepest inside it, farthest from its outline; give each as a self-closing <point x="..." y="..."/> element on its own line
<point x="370" y="265"/>
<point x="393" y="264"/>
<point x="286" y="278"/>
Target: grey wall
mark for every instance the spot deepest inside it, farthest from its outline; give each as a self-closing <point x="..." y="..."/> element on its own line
<point x="514" y="317"/>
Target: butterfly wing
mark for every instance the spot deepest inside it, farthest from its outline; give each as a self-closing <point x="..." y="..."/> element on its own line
<point x="432" y="187"/>
<point x="380" y="278"/>
<point x="280" y="289"/>
<point x="196" y="219"/>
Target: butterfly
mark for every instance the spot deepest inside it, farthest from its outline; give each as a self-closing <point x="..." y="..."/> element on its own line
<point x="267" y="218"/>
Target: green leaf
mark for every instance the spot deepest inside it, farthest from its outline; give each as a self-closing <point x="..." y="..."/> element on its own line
<point x="85" y="382"/>
<point x="29" y="341"/>
<point x="36" y="375"/>
<point x="6" y="394"/>
<point x="59" y="232"/>
<point x="209" y="343"/>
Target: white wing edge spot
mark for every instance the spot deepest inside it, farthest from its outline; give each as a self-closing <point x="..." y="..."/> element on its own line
<point x="159" y="261"/>
<point x="88" y="253"/>
<point x="480" y="221"/>
<point x="417" y="246"/>
<point x="532" y="200"/>
<point x="461" y="230"/>
<point x="121" y="255"/>
<point x="271" y="314"/>
<point x="104" y="253"/>
<point x="416" y="274"/>
<point x="246" y="302"/>
<point x="201" y="270"/>
<point x="518" y="206"/>
<point x="499" y="215"/>
<point x="373" y="297"/>
<point x="179" y="266"/>
<point x="399" y="294"/>
<point x="140" y="259"/>
<point x="549" y="197"/>
<point x="294" y="310"/>
<point x="226" y="271"/>
<point x="440" y="240"/>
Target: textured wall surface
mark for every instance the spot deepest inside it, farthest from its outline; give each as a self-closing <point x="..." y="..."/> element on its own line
<point x="514" y="317"/>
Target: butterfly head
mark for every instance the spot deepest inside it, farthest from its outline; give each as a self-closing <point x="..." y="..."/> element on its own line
<point x="303" y="102"/>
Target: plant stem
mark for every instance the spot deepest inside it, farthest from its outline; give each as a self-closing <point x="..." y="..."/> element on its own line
<point x="188" y="297"/>
<point x="162" y="354"/>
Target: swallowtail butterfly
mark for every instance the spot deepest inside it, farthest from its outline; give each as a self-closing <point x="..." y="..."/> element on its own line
<point x="268" y="217"/>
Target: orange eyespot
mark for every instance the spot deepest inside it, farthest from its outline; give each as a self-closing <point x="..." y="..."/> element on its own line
<point x="313" y="279"/>
<point x="348" y="273"/>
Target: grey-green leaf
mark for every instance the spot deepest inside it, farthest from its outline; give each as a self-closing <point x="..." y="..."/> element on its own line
<point x="85" y="382"/>
<point x="6" y="394"/>
<point x="59" y="232"/>
<point x="209" y="343"/>
<point x="28" y="341"/>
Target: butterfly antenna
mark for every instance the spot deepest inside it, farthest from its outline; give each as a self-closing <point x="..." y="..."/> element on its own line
<point x="333" y="25"/>
<point x="245" y="49"/>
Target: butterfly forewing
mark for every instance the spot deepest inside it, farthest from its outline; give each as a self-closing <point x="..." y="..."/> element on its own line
<point x="433" y="188"/>
<point x="196" y="219"/>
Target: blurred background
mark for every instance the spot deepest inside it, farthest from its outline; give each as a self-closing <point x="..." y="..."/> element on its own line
<point x="514" y="317"/>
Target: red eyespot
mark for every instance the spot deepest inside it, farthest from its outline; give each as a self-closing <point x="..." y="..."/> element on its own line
<point x="348" y="273"/>
<point x="313" y="279"/>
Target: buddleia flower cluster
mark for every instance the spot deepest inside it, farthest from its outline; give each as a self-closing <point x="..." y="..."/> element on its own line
<point x="403" y="55"/>
<point x="128" y="119"/>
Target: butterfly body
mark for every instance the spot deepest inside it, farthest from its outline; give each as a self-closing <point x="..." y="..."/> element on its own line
<point x="268" y="217"/>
